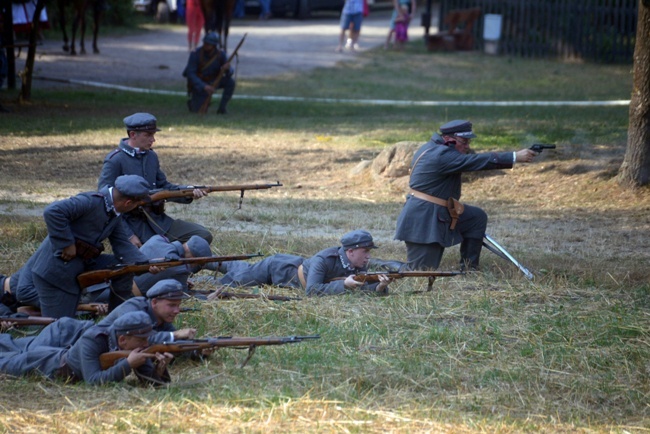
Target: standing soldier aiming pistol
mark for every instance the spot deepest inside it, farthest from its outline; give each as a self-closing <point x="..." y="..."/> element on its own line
<point x="433" y="218"/>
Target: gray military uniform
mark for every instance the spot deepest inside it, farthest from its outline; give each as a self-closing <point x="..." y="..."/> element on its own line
<point x="202" y="70"/>
<point x="127" y="160"/>
<point x="80" y="362"/>
<point x="142" y="304"/>
<point x="60" y="334"/>
<point x="160" y="247"/>
<point x="89" y="217"/>
<point x="282" y="270"/>
<point x="436" y="171"/>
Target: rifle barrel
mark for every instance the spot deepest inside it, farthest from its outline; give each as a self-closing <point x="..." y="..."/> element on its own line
<point x="97" y="276"/>
<point x="181" y="346"/>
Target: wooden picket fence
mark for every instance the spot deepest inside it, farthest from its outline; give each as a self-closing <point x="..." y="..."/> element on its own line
<point x="595" y="30"/>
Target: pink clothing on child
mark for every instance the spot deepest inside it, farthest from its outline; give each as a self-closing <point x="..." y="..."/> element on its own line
<point x="401" y="29"/>
<point x="194" y="19"/>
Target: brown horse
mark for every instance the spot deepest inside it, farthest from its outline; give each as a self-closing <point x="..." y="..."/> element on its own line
<point x="217" y="14"/>
<point x="80" y="7"/>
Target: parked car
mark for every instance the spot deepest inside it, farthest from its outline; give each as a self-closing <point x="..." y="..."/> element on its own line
<point x="163" y="11"/>
<point x="302" y="9"/>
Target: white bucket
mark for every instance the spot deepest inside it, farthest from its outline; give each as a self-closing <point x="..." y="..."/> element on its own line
<point x="491" y="33"/>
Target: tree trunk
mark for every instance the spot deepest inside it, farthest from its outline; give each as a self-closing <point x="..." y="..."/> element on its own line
<point x="26" y="89"/>
<point x="635" y="170"/>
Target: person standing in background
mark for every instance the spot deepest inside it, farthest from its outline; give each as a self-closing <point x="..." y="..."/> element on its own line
<point x="195" y="21"/>
<point x="265" y="9"/>
<point x="399" y="14"/>
<point x="351" y="18"/>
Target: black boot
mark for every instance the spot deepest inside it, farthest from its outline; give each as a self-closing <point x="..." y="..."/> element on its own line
<point x="470" y="251"/>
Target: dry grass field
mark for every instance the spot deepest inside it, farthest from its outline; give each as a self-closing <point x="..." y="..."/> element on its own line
<point x="490" y="352"/>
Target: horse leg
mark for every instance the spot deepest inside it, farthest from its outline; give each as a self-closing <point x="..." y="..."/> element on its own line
<point x="221" y="16"/>
<point x="82" y="34"/>
<point x="207" y="7"/>
<point x="75" y="25"/>
<point x="228" y="11"/>
<point x="61" y="7"/>
<point x="97" y="15"/>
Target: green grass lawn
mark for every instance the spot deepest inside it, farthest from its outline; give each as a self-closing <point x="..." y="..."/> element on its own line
<point x="567" y="352"/>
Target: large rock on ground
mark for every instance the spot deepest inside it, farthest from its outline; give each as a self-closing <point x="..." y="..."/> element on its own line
<point x="393" y="164"/>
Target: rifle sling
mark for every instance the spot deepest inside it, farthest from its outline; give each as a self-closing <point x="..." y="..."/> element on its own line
<point x="156" y="227"/>
<point x="204" y="66"/>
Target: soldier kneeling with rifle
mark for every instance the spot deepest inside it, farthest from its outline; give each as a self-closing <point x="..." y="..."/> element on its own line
<point x="205" y="65"/>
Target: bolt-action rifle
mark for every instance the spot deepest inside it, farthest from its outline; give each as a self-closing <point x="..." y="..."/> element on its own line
<point x="84" y="307"/>
<point x="225" y="295"/>
<point x="28" y="320"/>
<point x="160" y="195"/>
<point x="97" y="276"/>
<point x="204" y="107"/>
<point x="183" y="346"/>
<point x="373" y="277"/>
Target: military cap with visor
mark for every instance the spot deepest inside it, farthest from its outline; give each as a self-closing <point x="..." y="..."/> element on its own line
<point x="136" y="324"/>
<point x="141" y="122"/>
<point x="132" y="186"/>
<point x="458" y="128"/>
<point x="167" y="289"/>
<point x="211" y="38"/>
<point x="199" y="247"/>
<point x="358" y="239"/>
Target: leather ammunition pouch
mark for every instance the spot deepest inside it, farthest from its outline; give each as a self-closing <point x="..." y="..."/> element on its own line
<point x="455" y="209"/>
<point x="87" y="251"/>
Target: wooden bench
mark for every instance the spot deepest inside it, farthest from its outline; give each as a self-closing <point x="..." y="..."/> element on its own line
<point x="458" y="36"/>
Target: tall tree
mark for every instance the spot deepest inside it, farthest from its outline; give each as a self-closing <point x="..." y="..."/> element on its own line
<point x="635" y="170"/>
<point x="26" y="89"/>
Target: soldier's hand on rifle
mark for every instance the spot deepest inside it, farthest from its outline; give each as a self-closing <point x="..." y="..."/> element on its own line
<point x="102" y="308"/>
<point x="208" y="89"/>
<point x="198" y="193"/>
<point x="69" y="252"/>
<point x="187" y="333"/>
<point x="154" y="269"/>
<point x="137" y="358"/>
<point x="383" y="283"/>
<point x="350" y="283"/>
<point x="135" y="241"/>
<point x="6" y="326"/>
<point x="161" y="362"/>
<point x="525" y="155"/>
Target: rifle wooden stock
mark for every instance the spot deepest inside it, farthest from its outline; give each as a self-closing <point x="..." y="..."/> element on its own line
<point x="225" y="295"/>
<point x="27" y="321"/>
<point x="182" y="346"/>
<point x="373" y="277"/>
<point x="97" y="276"/>
<point x="85" y="307"/>
<point x="204" y="107"/>
<point x="91" y="307"/>
<point x="189" y="191"/>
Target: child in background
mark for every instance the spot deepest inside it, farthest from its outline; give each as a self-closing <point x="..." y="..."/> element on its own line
<point x="401" y="26"/>
<point x="398" y="12"/>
